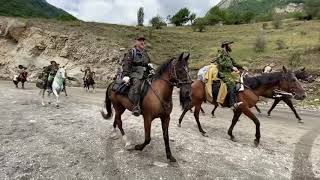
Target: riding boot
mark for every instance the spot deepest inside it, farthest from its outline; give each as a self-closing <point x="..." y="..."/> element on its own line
<point x="232" y="98"/>
<point x="49" y="86"/>
<point x="136" y="111"/>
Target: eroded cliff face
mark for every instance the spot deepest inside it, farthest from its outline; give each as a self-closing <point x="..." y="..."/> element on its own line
<point x="30" y="45"/>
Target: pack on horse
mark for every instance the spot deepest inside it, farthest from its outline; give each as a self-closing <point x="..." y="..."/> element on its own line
<point x="22" y="77"/>
<point x="300" y="74"/>
<point x="255" y="86"/>
<point x="156" y="101"/>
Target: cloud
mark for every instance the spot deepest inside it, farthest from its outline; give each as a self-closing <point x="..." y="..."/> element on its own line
<point x="125" y="11"/>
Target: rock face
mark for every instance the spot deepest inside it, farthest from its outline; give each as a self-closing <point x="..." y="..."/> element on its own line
<point x="34" y="47"/>
<point x="290" y="8"/>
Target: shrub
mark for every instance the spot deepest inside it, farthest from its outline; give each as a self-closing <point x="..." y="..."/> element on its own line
<point x="265" y="26"/>
<point x="157" y="22"/>
<point x="295" y="60"/>
<point x="280" y="44"/>
<point x="199" y="24"/>
<point x="260" y="43"/>
<point x="277" y="22"/>
<point x="181" y="17"/>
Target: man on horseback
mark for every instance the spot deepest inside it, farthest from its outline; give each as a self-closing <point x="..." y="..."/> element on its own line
<point x="50" y="72"/>
<point x="136" y="67"/>
<point x="227" y="69"/>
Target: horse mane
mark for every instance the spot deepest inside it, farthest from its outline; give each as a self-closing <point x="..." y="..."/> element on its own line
<point x="161" y="69"/>
<point x="264" y="79"/>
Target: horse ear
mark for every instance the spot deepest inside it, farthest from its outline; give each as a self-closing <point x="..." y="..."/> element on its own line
<point x="284" y="69"/>
<point x="187" y="58"/>
<point x="181" y="56"/>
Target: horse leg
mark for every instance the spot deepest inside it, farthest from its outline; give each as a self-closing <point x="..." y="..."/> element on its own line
<point x="114" y="130"/>
<point x="214" y="109"/>
<point x="165" y="125"/>
<point x="94" y="89"/>
<point x="196" y="116"/>
<point x="182" y="115"/>
<point x="42" y="99"/>
<point x="289" y="103"/>
<point x="235" y="119"/>
<point x="118" y="121"/>
<point x="256" y="121"/>
<point x="276" y="101"/>
<point x="22" y="85"/>
<point x="258" y="109"/>
<point x="65" y="90"/>
<point x="57" y="96"/>
<point x="202" y="111"/>
<point x="147" y="132"/>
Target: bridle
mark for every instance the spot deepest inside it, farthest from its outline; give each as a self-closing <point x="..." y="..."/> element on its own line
<point x="174" y="80"/>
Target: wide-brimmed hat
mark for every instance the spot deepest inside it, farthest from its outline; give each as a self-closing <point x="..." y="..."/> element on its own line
<point x="51" y="62"/>
<point x="226" y="43"/>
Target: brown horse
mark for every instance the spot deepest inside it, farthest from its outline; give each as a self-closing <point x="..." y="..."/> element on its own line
<point x="157" y="103"/>
<point x="302" y="75"/>
<point x="255" y="87"/>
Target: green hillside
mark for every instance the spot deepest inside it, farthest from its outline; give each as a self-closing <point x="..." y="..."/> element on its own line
<point x="32" y="8"/>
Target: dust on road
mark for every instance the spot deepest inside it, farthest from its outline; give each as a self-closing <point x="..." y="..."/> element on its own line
<point x="73" y="142"/>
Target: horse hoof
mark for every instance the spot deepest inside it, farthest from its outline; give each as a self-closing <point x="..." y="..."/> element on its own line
<point x="256" y="142"/>
<point x="49" y="102"/>
<point x="139" y="147"/>
<point x="179" y="125"/>
<point x="300" y="121"/>
<point x="128" y="146"/>
<point x="204" y="134"/>
<point x="213" y="116"/>
<point x="232" y="138"/>
<point x="43" y="104"/>
<point x="172" y="159"/>
<point x="269" y="116"/>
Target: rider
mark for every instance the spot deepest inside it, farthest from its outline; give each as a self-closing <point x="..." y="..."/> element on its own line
<point x="269" y="68"/>
<point x="227" y="66"/>
<point x="87" y="71"/>
<point x="136" y="66"/>
<point x="20" y="71"/>
<point x="50" y="72"/>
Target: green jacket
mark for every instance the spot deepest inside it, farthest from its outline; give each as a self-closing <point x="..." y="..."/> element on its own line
<point x="135" y="64"/>
<point x="226" y="62"/>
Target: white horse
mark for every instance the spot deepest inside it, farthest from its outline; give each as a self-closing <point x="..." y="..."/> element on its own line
<point x="57" y="85"/>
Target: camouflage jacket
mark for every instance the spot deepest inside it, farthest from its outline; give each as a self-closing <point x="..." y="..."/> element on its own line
<point x="226" y="62"/>
<point x="135" y="64"/>
<point x="50" y="70"/>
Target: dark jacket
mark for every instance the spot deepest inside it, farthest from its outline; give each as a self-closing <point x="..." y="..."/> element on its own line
<point x="135" y="64"/>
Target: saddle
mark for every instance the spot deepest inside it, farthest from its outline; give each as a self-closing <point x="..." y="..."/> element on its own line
<point x="119" y="87"/>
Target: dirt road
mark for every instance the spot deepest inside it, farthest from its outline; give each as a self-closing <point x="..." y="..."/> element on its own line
<point x="74" y="142"/>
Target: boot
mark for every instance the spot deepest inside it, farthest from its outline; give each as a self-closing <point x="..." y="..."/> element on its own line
<point x="232" y="99"/>
<point x="136" y="111"/>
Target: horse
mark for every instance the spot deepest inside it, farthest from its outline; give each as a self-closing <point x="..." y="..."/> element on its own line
<point x="89" y="81"/>
<point x="157" y="103"/>
<point x="261" y="85"/>
<point x="302" y="75"/>
<point x="21" y="78"/>
<point x="57" y="85"/>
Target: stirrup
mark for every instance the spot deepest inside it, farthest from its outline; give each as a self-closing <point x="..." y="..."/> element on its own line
<point x="136" y="111"/>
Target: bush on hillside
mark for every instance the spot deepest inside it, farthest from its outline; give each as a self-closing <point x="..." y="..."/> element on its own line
<point x="199" y="24"/>
<point x="295" y="60"/>
<point x="280" y="44"/>
<point x="312" y="8"/>
<point x="157" y="22"/>
<point x="277" y="22"/>
<point x="181" y="17"/>
<point x="260" y="44"/>
<point x="265" y="26"/>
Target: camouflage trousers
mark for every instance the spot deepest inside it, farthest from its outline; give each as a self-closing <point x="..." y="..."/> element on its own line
<point x="230" y="78"/>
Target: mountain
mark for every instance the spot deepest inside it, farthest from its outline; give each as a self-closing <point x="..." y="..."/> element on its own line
<point x="32" y="8"/>
<point x="260" y="6"/>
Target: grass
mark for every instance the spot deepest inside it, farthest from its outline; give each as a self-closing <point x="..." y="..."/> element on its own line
<point x="170" y="41"/>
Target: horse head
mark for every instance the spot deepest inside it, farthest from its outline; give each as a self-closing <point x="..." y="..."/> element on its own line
<point x="303" y="75"/>
<point x="290" y="83"/>
<point x="61" y="73"/>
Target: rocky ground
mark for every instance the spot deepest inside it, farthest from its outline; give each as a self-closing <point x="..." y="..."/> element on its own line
<point x="74" y="142"/>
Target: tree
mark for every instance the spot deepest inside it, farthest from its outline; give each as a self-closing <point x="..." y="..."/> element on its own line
<point x="192" y="17"/>
<point x="312" y="7"/>
<point x="199" y="24"/>
<point x="181" y="17"/>
<point x="157" y="22"/>
<point x="140" y="16"/>
<point x="215" y="15"/>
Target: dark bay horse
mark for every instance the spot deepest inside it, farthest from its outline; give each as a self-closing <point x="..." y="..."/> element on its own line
<point x="89" y="81"/>
<point x="21" y="78"/>
<point x="157" y="102"/>
<point x="302" y="75"/>
<point x="259" y="86"/>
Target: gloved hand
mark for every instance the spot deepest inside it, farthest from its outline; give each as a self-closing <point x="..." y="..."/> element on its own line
<point x="150" y="65"/>
<point x="126" y="79"/>
<point x="234" y="69"/>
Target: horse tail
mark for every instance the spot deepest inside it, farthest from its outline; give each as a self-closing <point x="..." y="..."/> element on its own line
<point x="107" y="104"/>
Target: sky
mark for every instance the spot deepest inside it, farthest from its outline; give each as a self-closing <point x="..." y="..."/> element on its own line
<point x="125" y="11"/>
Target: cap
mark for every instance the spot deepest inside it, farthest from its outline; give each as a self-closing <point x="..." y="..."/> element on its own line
<point x="140" y="37"/>
<point x="226" y="43"/>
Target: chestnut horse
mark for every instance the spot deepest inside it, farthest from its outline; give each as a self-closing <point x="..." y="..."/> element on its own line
<point x="258" y="86"/>
<point x="157" y="103"/>
<point x="301" y="74"/>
